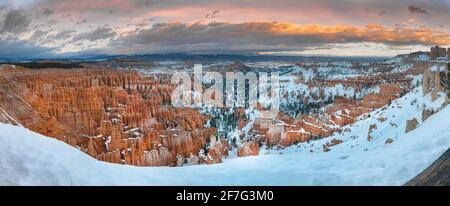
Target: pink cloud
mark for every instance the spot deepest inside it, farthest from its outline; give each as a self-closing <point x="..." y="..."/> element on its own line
<point x="84" y="5"/>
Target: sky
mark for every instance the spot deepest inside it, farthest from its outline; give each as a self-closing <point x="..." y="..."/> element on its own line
<point x="58" y="28"/>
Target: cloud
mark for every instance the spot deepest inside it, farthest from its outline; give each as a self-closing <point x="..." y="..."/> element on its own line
<point x="48" y="12"/>
<point x="81" y="21"/>
<point x="418" y="10"/>
<point x="91" y="6"/>
<point x="213" y="14"/>
<point x="98" y="34"/>
<point x="38" y="35"/>
<point x="151" y="2"/>
<point x="23" y="49"/>
<point x="15" y="22"/>
<point x="16" y="4"/>
<point x="243" y="25"/>
<point x="66" y="34"/>
<point x="268" y="36"/>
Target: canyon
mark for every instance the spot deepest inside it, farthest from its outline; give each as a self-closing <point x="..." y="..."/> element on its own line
<point x="122" y="113"/>
<point x="113" y="116"/>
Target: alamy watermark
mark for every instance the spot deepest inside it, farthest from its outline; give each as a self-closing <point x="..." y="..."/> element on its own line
<point x="235" y="89"/>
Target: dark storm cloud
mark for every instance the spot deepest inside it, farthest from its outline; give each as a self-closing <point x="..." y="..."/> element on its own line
<point x="418" y="10"/>
<point x="98" y="34"/>
<point x="22" y="49"/>
<point x="15" y="22"/>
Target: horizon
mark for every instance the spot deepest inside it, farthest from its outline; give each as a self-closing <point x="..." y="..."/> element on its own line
<point x="210" y="56"/>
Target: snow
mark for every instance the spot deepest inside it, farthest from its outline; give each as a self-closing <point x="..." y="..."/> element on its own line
<point x="438" y="68"/>
<point x="107" y="142"/>
<point x="32" y="159"/>
<point x="397" y="59"/>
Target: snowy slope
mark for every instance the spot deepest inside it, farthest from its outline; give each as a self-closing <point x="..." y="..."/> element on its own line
<point x="31" y="159"/>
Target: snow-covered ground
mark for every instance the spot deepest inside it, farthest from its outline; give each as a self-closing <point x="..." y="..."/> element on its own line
<point x="31" y="159"/>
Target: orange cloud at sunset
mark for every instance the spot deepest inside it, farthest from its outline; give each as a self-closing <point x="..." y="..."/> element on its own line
<point x="371" y="33"/>
<point x="272" y="36"/>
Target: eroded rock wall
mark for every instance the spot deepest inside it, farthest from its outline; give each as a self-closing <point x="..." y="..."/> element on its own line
<point x="114" y="116"/>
